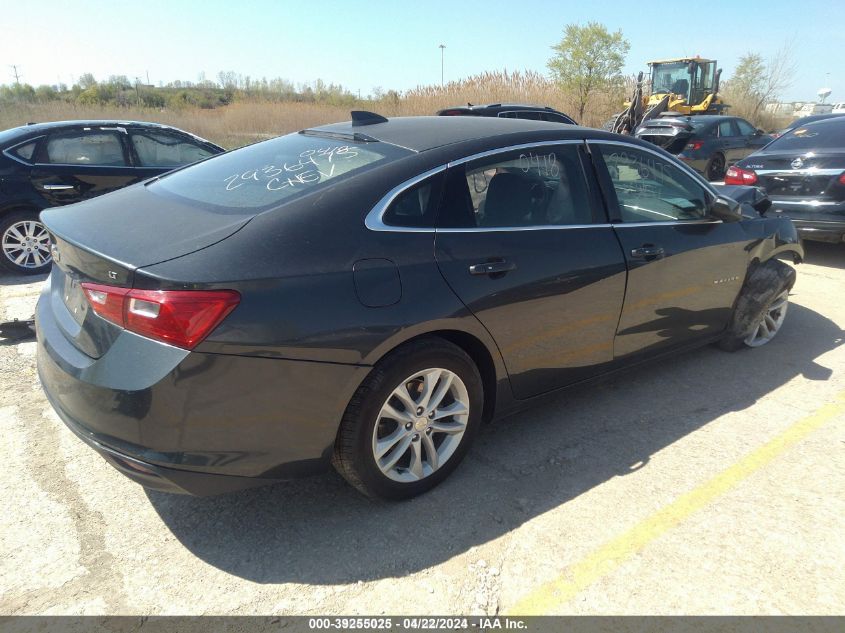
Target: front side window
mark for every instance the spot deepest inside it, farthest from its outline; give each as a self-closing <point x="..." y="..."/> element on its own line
<point x="264" y="175"/>
<point x="85" y="148"/>
<point x="542" y="186"/>
<point x="650" y="189"/>
<point x="745" y="128"/>
<point x="160" y="149"/>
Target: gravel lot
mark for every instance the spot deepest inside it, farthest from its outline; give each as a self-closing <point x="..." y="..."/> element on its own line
<point x="712" y="483"/>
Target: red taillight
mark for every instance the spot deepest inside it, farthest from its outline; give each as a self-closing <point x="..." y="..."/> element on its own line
<point x="842" y="178"/>
<point x="695" y="145"/>
<point x="179" y="317"/>
<point x="737" y="176"/>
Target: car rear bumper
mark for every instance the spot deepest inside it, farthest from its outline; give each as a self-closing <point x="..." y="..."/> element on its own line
<point x="818" y="223"/>
<point x="193" y="422"/>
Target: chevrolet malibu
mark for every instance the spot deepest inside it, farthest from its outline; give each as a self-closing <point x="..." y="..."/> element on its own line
<point x="366" y="294"/>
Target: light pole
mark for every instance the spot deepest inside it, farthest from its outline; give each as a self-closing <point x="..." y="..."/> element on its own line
<point x="442" y="48"/>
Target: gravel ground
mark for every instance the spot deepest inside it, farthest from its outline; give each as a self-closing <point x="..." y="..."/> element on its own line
<point x="599" y="501"/>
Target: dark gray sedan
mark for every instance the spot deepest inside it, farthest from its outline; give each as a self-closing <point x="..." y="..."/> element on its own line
<point x="708" y="143"/>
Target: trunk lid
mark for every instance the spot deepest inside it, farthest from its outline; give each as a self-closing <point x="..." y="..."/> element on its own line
<point x="106" y="239"/>
<point x="800" y="176"/>
<point x="671" y="135"/>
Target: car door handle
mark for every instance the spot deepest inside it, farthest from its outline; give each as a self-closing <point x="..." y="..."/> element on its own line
<point x="492" y="268"/>
<point x="648" y="252"/>
<point x="56" y="187"/>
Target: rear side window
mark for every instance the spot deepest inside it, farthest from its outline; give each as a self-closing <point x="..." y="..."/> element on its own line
<point x="416" y="206"/>
<point x="159" y="149"/>
<point x="542" y="186"/>
<point x="827" y="134"/>
<point x="726" y="128"/>
<point x="85" y="148"/>
<point x="26" y="151"/>
<point x="264" y="175"/>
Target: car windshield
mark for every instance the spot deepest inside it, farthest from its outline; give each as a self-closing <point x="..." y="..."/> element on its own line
<point x="827" y="134"/>
<point x="264" y="175"/>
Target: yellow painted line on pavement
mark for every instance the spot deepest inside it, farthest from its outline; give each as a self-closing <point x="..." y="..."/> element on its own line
<point x="613" y="554"/>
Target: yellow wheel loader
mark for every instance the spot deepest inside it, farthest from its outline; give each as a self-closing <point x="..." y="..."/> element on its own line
<point x="684" y="86"/>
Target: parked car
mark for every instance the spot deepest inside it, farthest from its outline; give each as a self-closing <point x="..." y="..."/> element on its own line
<point x="51" y="164"/>
<point x="707" y="143"/>
<point x="804" y="121"/>
<point x="803" y="172"/>
<point x="367" y="293"/>
<point x="839" y="108"/>
<point x="510" y="111"/>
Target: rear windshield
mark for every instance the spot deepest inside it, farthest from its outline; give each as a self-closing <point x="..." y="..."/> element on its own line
<point x="827" y="134"/>
<point x="264" y="175"/>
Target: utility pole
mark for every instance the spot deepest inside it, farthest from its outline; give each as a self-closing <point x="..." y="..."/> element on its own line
<point x="137" y="91"/>
<point x="442" y="49"/>
<point x="17" y="76"/>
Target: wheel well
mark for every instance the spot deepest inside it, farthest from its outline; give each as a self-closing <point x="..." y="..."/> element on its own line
<point x="14" y="208"/>
<point x="480" y="355"/>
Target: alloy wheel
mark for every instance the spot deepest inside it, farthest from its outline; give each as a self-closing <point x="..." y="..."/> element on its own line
<point x="420" y="425"/>
<point x="26" y="244"/>
<point x="771" y="322"/>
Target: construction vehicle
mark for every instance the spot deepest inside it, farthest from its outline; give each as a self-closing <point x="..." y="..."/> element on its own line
<point x="684" y="86"/>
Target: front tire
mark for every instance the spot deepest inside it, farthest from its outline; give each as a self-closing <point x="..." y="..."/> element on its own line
<point x="412" y="420"/>
<point x="761" y="307"/>
<point x="24" y="244"/>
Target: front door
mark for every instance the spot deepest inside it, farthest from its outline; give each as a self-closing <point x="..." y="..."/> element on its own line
<point x="685" y="268"/>
<point x="522" y="240"/>
<point x="77" y="165"/>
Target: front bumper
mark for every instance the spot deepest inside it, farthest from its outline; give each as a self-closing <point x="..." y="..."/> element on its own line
<point x="195" y="422"/>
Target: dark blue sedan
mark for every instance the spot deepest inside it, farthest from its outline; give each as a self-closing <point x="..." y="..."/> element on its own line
<point x="707" y="143"/>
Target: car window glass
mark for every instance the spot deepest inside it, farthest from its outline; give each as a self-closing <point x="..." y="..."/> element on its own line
<point x="534" y="187"/>
<point x="157" y="149"/>
<point x="267" y="174"/>
<point x="93" y="148"/>
<point x="552" y="117"/>
<point x="650" y="189"/>
<point x="415" y="206"/>
<point x="745" y="128"/>
<point x="827" y="134"/>
<point x="25" y="151"/>
<point x="726" y="129"/>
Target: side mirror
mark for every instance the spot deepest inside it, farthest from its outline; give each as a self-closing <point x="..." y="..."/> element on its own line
<point x="760" y="131"/>
<point x="726" y="209"/>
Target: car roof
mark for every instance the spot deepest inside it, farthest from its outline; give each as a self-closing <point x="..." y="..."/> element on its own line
<point x="22" y="132"/>
<point x="421" y="133"/>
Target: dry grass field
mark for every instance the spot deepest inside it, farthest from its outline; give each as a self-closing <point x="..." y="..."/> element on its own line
<point x="247" y="121"/>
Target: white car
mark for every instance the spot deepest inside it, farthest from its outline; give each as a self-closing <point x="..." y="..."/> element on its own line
<point x="839" y="108"/>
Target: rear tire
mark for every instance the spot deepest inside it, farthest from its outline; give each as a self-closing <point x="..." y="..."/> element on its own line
<point x="763" y="298"/>
<point x="395" y="451"/>
<point x="24" y="244"/>
<point x="715" y="169"/>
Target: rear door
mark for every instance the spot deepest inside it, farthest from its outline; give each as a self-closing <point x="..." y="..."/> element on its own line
<point x="79" y="164"/>
<point x="685" y="268"/>
<point x="522" y="240"/>
<point x="730" y="142"/>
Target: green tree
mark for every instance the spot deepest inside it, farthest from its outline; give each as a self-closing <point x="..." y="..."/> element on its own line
<point x="588" y="59"/>
<point x="757" y="81"/>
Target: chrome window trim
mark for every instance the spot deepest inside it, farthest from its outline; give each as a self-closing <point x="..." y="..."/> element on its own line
<point x="807" y="202"/>
<point x="375" y="218"/>
<point x="8" y="151"/>
<point x="375" y="222"/>
<point x="623" y="225"/>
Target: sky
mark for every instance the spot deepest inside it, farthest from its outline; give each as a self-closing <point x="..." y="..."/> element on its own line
<point x="378" y="43"/>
